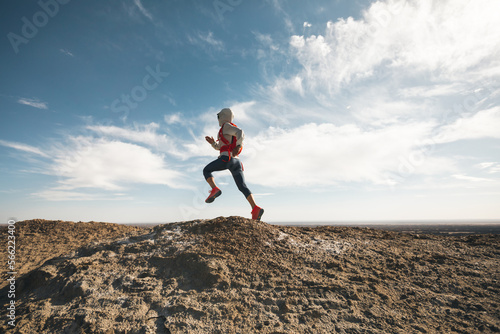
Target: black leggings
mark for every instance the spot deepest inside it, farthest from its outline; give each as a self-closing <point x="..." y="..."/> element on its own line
<point x="234" y="166"/>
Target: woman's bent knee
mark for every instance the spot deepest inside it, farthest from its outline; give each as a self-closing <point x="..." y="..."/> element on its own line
<point x="244" y="189"/>
<point x="207" y="173"/>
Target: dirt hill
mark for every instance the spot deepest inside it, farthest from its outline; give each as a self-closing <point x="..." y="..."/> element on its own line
<point x="38" y="240"/>
<point x="234" y="275"/>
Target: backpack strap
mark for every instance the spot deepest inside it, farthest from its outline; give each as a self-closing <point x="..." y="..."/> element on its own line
<point x="227" y="147"/>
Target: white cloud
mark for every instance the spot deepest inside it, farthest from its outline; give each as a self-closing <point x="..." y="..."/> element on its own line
<point x="90" y="168"/>
<point x="489" y="167"/>
<point x="470" y="178"/>
<point x="145" y="134"/>
<point x="65" y="195"/>
<point x="110" y="165"/>
<point x="321" y="155"/>
<point x="211" y="40"/>
<point x="24" y="148"/>
<point x="432" y="90"/>
<point x="35" y="103"/>
<point x="271" y="55"/>
<point x="243" y="112"/>
<point x="170" y="99"/>
<point x="67" y="52"/>
<point x="483" y="124"/>
<point x="143" y="10"/>
<point x="142" y="134"/>
<point x="206" y="41"/>
<point x="172" y="118"/>
<point x="485" y="165"/>
<point x="445" y="37"/>
<point x="417" y="49"/>
<point x="376" y="107"/>
<point x="264" y="39"/>
<point x="494" y="169"/>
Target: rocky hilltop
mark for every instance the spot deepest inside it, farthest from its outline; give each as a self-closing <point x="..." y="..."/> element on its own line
<point x="38" y="240"/>
<point x="235" y="275"/>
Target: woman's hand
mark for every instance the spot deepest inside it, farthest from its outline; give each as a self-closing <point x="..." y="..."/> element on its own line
<point x="210" y="140"/>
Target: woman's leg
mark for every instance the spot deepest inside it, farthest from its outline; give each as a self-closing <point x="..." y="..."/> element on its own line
<point x="236" y="169"/>
<point x="214" y="166"/>
<point x="251" y="200"/>
<point x="237" y="172"/>
<point x="211" y="182"/>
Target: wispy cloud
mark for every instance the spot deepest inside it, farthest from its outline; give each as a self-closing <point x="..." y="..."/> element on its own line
<point x="211" y="40"/>
<point x="172" y="118"/>
<point x="470" y="178"/>
<point x="35" y="103"/>
<point x="140" y="134"/>
<point x="24" y="148"/>
<point x="206" y="41"/>
<point x="61" y="195"/>
<point x="483" y="124"/>
<point x="66" y="52"/>
<point x="489" y="167"/>
<point x="143" y="10"/>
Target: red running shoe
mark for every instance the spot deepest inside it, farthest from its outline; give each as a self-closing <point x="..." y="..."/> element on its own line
<point x="214" y="193"/>
<point x="257" y="212"/>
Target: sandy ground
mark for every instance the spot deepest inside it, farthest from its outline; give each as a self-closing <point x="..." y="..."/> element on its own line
<point x="234" y="275"/>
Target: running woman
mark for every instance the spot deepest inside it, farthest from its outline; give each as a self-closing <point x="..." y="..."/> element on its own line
<point x="229" y="143"/>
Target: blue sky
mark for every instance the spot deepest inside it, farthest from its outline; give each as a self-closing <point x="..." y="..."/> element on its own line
<point x="353" y="110"/>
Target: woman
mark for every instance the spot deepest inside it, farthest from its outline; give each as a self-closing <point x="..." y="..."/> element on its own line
<point x="229" y="143"/>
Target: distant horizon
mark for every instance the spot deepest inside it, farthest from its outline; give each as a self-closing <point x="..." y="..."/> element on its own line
<point x="319" y="223"/>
